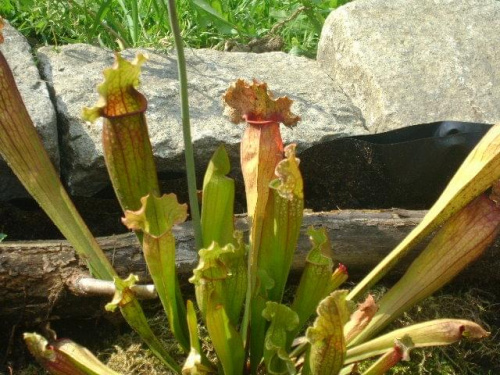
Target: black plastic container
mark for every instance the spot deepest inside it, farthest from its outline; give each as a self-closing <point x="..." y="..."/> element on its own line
<point x="406" y="168"/>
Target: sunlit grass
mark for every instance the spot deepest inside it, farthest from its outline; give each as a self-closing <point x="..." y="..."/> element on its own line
<point x="143" y="23"/>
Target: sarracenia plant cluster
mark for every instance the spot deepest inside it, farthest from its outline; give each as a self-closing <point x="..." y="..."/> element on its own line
<point x="239" y="285"/>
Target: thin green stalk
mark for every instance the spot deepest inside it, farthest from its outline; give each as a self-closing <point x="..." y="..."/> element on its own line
<point x="311" y="14"/>
<point x="299" y="349"/>
<point x="135" y="21"/>
<point x="186" y="127"/>
<point x="107" y="24"/>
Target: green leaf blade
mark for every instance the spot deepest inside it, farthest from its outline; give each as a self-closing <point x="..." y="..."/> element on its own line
<point x="22" y="149"/>
<point x="460" y="241"/>
<point x="479" y="171"/>
<point x="326" y="336"/>
<point x="219" y="21"/>
<point x="432" y="333"/>
<point x="63" y="356"/>
<point x="217" y="221"/>
<point x="283" y="320"/>
<point x="226" y="340"/>
<point x="126" y="145"/>
<point x="282" y="222"/>
<point x="131" y="310"/>
<point x="222" y="270"/>
<point x="317" y="280"/>
<point x="155" y="220"/>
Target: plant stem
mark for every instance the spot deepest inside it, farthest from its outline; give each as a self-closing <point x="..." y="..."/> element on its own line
<point x="299" y="350"/>
<point x="100" y="22"/>
<point x="186" y="127"/>
<point x="313" y="18"/>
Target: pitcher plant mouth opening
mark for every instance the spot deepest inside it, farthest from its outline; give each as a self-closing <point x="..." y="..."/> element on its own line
<point x="256" y="105"/>
<point x="108" y="111"/>
<point x="255" y="119"/>
<point x="118" y="94"/>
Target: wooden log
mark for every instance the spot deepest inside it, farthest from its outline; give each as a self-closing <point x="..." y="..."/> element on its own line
<point x="34" y="276"/>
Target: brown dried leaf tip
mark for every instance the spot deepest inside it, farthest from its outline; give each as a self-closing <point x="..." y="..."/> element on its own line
<point x="1" y="28"/>
<point x="360" y="318"/>
<point x="254" y="104"/>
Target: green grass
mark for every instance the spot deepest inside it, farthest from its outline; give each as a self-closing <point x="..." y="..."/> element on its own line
<point x="143" y="23"/>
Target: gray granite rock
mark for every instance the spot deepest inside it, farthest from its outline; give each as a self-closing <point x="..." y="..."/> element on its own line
<point x="36" y="98"/>
<point x="407" y="62"/>
<point x="74" y="71"/>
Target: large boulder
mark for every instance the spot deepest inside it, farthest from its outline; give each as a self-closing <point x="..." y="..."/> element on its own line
<point x="409" y="62"/>
<point x="74" y="71"/>
<point x="35" y="95"/>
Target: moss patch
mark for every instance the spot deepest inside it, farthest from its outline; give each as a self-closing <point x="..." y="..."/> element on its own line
<point x="125" y="352"/>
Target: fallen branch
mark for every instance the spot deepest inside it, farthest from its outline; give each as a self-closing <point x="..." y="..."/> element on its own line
<point x="87" y="286"/>
<point x="39" y="278"/>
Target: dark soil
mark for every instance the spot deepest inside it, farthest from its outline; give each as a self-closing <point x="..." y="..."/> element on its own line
<point x="23" y="219"/>
<point x="406" y="168"/>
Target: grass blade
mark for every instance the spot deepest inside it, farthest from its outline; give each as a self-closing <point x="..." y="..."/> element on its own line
<point x="219" y="21"/>
<point x="136" y="25"/>
<point x="101" y="13"/>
